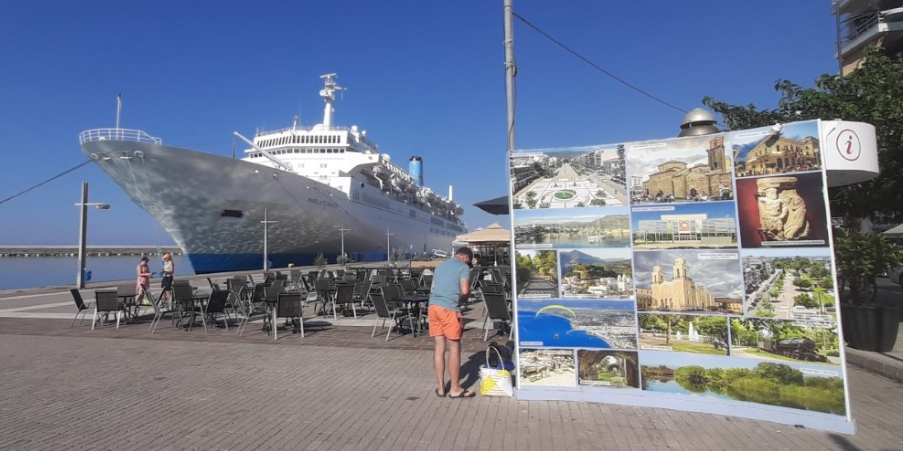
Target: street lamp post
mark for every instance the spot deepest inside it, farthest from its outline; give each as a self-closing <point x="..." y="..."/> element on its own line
<point x="266" y="223"/>
<point x="388" y="248"/>
<point x="343" y="230"/>
<point x="83" y="232"/>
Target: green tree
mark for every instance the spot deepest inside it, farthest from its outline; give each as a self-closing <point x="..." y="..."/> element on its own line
<point x="870" y="94"/>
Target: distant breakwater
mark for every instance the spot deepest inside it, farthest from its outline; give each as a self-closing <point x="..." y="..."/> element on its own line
<point x="93" y="251"/>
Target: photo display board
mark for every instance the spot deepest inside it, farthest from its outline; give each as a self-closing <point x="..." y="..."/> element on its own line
<point x="691" y="273"/>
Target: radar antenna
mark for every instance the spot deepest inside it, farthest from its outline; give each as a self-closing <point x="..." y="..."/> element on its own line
<point x="328" y="95"/>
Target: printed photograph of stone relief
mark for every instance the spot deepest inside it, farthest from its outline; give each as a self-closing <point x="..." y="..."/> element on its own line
<point x="615" y="369"/>
<point x="702" y="225"/>
<point x="777" y="150"/>
<point x="688" y="281"/>
<point x="679" y="170"/>
<point x="782" y="211"/>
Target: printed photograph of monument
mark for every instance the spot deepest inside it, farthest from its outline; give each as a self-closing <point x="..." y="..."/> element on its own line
<point x="777" y="150"/>
<point x="680" y="170"/>
<point x="793" y="284"/>
<point x="703" y="334"/>
<point x="698" y="225"/>
<point x="568" y="177"/>
<point x="786" y="210"/>
<point x="616" y="369"/>
<point x="537" y="273"/>
<point x="570" y="323"/>
<point x="769" y="339"/>
<point x="596" y="273"/>
<point x="547" y="367"/>
<point x="582" y="228"/>
<point x="794" y="385"/>
<point x="688" y="281"/>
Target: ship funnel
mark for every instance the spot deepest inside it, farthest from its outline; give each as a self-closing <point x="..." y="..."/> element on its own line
<point x="415" y="168"/>
<point x="451" y="193"/>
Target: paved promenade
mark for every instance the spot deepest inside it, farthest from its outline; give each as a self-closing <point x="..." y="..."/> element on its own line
<point x="336" y="389"/>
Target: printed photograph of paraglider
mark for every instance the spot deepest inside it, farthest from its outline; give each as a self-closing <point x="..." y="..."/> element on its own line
<point x="569" y="323"/>
<point x="703" y="334"/>
<point x="547" y="367"/>
<point x="616" y="369"/>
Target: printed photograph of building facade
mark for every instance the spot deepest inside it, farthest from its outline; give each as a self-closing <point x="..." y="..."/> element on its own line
<point x="537" y="273"/>
<point x="590" y="227"/>
<point x="688" y="281"/>
<point x="568" y="178"/>
<point x="569" y="323"/>
<point x="547" y="367"/>
<point x="698" y="334"/>
<point x="616" y="369"/>
<point x="787" y="341"/>
<point x="783" y="211"/>
<point x="680" y="170"/>
<point x="795" y="284"/>
<point x="793" y="385"/>
<point x="605" y="273"/>
<point x="777" y="150"/>
<point x="698" y="225"/>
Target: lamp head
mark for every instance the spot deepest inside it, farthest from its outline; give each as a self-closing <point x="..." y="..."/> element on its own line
<point x="102" y="206"/>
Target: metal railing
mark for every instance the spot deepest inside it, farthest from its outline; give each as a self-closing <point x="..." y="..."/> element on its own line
<point x="116" y="134"/>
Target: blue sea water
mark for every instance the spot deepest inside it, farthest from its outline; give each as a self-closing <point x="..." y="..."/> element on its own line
<point x="18" y="273"/>
<point x="554" y="331"/>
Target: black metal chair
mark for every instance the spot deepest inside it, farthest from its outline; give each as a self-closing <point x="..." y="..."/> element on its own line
<point x="106" y="302"/>
<point x="384" y="311"/>
<point x="83" y="306"/>
<point x="498" y="311"/>
<point x="216" y="303"/>
<point x="256" y="306"/>
<point x="291" y="306"/>
<point x="344" y="297"/>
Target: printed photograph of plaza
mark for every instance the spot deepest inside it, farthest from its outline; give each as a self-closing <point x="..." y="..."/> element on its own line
<point x="615" y="369"/>
<point x="547" y="367"/>
<point x="680" y="170"/>
<point x="697" y="334"/>
<point x="688" y="281"/>
<point x="792" y="284"/>
<point x="698" y="225"/>
<point x="568" y="177"/>
<point x="605" y="273"/>
<point x="570" y="323"/>
<point x="537" y="273"/>
<point x="589" y="227"/>
<point x="767" y="150"/>
<point x="795" y="385"/>
<point x="788" y="341"/>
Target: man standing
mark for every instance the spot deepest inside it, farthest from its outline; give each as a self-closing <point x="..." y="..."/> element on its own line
<point x="451" y="287"/>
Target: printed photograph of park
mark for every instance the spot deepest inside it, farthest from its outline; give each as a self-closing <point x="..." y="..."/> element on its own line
<point x="547" y="367"/>
<point x="571" y="177"/>
<point x="781" y="150"/>
<point x="616" y="369"/>
<point x="572" y="323"/>
<point x="537" y="273"/>
<point x="680" y="170"/>
<point x="583" y="228"/>
<point x="688" y="281"/>
<point x="684" y="333"/>
<point x="605" y="273"/>
<point x="701" y="225"/>
<point x="732" y="379"/>
<point x="787" y="341"/>
<point x="791" y="284"/>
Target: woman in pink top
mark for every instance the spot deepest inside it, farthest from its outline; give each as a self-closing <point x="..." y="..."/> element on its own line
<point x="143" y="282"/>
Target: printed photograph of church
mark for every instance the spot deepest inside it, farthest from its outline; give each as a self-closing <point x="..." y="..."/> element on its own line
<point x="777" y="150"/>
<point x="703" y="225"/>
<point x="688" y="281"/>
<point x="684" y="170"/>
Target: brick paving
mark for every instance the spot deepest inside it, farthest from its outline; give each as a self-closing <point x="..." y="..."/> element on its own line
<point x="336" y="389"/>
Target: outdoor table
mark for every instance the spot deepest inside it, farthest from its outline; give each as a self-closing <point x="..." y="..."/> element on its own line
<point x="413" y="302"/>
<point x="187" y="305"/>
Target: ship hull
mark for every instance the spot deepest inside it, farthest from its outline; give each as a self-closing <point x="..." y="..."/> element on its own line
<point x="213" y="207"/>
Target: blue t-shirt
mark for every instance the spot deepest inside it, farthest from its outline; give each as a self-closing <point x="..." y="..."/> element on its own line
<point x="447" y="283"/>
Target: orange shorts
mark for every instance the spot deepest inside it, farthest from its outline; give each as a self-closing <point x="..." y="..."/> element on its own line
<point x="445" y="322"/>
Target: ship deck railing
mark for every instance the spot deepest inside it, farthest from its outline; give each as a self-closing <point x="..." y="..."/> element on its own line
<point x="117" y="134"/>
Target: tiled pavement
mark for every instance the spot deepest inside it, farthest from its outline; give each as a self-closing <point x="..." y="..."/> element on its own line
<point x="336" y="389"/>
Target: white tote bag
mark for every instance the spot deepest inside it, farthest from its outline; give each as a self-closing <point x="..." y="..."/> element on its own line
<point x="495" y="381"/>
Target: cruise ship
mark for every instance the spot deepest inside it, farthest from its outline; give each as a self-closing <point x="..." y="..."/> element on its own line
<point x="297" y="192"/>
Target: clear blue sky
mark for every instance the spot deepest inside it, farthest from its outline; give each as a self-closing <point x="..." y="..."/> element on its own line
<point x="424" y="77"/>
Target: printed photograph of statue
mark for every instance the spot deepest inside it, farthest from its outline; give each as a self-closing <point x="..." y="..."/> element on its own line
<point x="782" y="211"/>
<point x="777" y="149"/>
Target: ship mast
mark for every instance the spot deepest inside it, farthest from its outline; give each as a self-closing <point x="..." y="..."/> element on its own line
<point x="328" y="95"/>
<point x="510" y="69"/>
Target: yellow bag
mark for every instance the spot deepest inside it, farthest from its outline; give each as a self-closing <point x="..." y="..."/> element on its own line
<point x="495" y="381"/>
